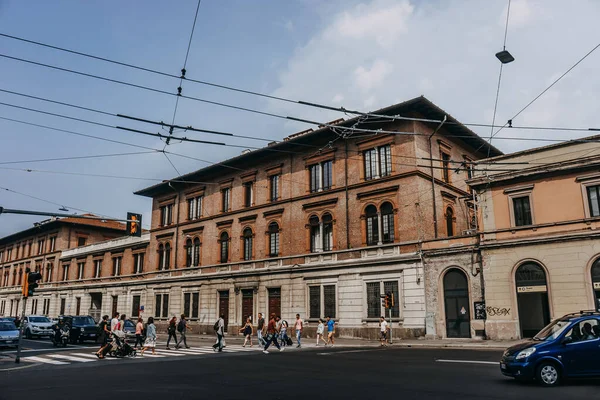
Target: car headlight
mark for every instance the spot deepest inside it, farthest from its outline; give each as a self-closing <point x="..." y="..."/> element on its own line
<point x="525" y="353"/>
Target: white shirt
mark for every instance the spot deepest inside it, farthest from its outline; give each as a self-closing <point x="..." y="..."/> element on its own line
<point x="113" y="323"/>
<point x="320" y="328"/>
<point x="383" y="325"/>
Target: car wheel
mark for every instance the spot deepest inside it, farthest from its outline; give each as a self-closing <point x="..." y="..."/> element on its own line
<point x="548" y="374"/>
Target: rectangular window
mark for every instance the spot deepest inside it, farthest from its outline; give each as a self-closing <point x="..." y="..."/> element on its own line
<point x="66" y="272"/>
<point x="78" y="306"/>
<point x="81" y="241"/>
<point x="117" y="266"/>
<point x="370" y="157"/>
<point x="34" y="304"/>
<point x="162" y="306"/>
<point x="80" y="270"/>
<point x="135" y="306"/>
<point x="392" y="286"/>
<point x="41" y="246"/>
<point x="385" y="160"/>
<point x="373" y="300"/>
<point x="46" y="309"/>
<point x="314" y="296"/>
<point x="320" y="176"/>
<point x="97" y="268"/>
<point x="327" y="167"/>
<point x="63" y="305"/>
<point x="225" y="199"/>
<point x="593" y="193"/>
<point x="274" y="187"/>
<point x="187" y="304"/>
<point x="115" y="304"/>
<point x="191" y="303"/>
<point x="1" y="256"/>
<point x="195" y="207"/>
<point x="248" y="194"/>
<point x="166" y="215"/>
<point x="522" y="211"/>
<point x="329" y="301"/>
<point x="52" y="244"/>
<point x="138" y="263"/>
<point x="9" y="254"/>
<point x="315" y="177"/>
<point x="446" y="167"/>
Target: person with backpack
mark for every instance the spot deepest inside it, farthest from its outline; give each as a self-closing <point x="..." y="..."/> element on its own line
<point x="171" y="329"/>
<point x="182" y="327"/>
<point x="259" y="330"/>
<point x="283" y="325"/>
<point x="247" y="331"/>
<point x="272" y="335"/>
<point x="219" y="328"/>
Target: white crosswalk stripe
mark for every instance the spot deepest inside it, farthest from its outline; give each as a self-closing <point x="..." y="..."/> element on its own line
<point x="80" y="357"/>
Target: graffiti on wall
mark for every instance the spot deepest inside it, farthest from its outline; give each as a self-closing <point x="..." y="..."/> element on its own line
<point x="497" y="311"/>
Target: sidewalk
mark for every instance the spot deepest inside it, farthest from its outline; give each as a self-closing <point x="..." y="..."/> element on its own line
<point x="237" y="340"/>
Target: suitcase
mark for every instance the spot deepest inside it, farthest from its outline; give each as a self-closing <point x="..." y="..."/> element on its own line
<point x="289" y="341"/>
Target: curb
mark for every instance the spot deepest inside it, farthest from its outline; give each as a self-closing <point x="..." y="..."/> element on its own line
<point x="467" y="346"/>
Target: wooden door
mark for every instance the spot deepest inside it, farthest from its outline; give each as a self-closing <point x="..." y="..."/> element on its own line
<point x="224" y="306"/>
<point x="247" y="305"/>
<point x="274" y="301"/>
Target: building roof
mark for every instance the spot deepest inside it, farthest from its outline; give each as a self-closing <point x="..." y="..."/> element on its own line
<point x="418" y="105"/>
<point x="54" y="223"/>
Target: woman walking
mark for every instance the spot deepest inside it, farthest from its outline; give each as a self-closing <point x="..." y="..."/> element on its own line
<point x="103" y="335"/>
<point x="171" y="331"/>
<point x="139" y="329"/>
<point x="247" y="330"/>
<point x="150" y="342"/>
<point x="320" y="330"/>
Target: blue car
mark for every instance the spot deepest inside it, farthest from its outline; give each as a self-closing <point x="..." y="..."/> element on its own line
<point x="9" y="334"/>
<point x="567" y="348"/>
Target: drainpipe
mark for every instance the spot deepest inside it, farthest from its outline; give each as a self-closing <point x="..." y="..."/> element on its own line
<point x="177" y="225"/>
<point x="435" y="223"/>
<point x="347" y="195"/>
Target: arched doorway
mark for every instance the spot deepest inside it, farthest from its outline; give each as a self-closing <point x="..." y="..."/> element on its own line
<point x="596" y="283"/>
<point x="456" y="304"/>
<point x="532" y="298"/>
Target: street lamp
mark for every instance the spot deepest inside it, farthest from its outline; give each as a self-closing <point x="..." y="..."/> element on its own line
<point x="505" y="57"/>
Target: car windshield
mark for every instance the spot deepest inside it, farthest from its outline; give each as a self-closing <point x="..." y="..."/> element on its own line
<point x="39" y="319"/>
<point x="553" y="330"/>
<point x="83" y="321"/>
<point x="129" y="324"/>
<point x="7" y="326"/>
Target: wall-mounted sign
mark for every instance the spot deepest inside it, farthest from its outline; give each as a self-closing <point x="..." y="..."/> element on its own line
<point x="479" y="307"/>
<point x="596" y="285"/>
<point x="532" y="289"/>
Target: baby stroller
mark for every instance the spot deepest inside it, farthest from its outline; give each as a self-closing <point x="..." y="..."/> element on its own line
<point x="120" y="348"/>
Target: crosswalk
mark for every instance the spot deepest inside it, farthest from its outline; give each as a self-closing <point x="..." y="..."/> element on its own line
<point x="81" y="357"/>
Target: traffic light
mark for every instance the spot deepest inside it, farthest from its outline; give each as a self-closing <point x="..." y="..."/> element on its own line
<point x="134" y="224"/>
<point x="32" y="279"/>
<point x="25" y="283"/>
<point x="385" y="300"/>
<point x="392" y="302"/>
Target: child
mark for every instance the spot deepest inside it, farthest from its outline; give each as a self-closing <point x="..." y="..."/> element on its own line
<point x="247" y="330"/>
<point x="320" y="329"/>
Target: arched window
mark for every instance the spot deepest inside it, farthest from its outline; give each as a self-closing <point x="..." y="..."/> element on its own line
<point x="315" y="234"/>
<point x="167" y="262"/>
<point x="327" y="223"/>
<point x="387" y="222"/>
<point x="449" y="221"/>
<point x="224" y="247"/>
<point x="189" y="253"/>
<point x="273" y="239"/>
<point x="247" y="237"/>
<point x="196" y="253"/>
<point x="161" y="257"/>
<point x="372" y="225"/>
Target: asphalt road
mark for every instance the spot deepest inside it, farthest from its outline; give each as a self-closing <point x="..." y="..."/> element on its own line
<point x="347" y="373"/>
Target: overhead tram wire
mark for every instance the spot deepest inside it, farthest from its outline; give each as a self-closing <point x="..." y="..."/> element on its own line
<point x="339" y="109"/>
<point x="87" y="157"/>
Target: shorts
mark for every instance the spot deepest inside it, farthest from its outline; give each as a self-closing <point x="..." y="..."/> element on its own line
<point x="383" y="335"/>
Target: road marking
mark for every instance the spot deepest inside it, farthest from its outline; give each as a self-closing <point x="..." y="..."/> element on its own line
<point x="342" y="352"/>
<point x="92" y="356"/>
<point x="166" y="353"/>
<point x="69" y="358"/>
<point x="44" y="360"/>
<point x="152" y="355"/>
<point x="469" y="362"/>
<point x="52" y="349"/>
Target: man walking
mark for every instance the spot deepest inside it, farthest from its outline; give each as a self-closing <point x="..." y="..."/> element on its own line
<point x="182" y="327"/>
<point x="298" y="328"/>
<point x="272" y="334"/>
<point x="330" y="331"/>
<point x="219" y="329"/>
<point x="259" y="330"/>
<point x="384" y="330"/>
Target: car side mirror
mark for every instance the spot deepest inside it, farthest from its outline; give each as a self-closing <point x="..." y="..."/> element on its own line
<point x="567" y="340"/>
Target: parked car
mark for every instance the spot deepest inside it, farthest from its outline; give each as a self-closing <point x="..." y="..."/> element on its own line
<point x="9" y="334"/>
<point x="37" y="326"/>
<point x="82" y="328"/>
<point x="568" y="347"/>
<point x="129" y="330"/>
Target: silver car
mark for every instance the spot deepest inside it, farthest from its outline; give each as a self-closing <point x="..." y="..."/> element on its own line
<point x="9" y="334"/>
<point x="36" y="326"/>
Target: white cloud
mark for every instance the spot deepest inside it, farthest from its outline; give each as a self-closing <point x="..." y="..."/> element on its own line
<point x="372" y="54"/>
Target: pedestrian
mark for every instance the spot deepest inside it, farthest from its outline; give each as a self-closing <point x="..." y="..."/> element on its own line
<point x="114" y="321"/>
<point x="330" y="331"/>
<point x="219" y="328"/>
<point x="282" y="325"/>
<point x="383" y="325"/>
<point x="298" y="329"/>
<point x="171" y="329"/>
<point x="103" y="334"/>
<point x="272" y="334"/>
<point x="259" y="330"/>
<point x="247" y="331"/>
<point x="182" y="327"/>
<point x="150" y="342"/>
<point x="320" y="330"/>
<point x="139" y="329"/>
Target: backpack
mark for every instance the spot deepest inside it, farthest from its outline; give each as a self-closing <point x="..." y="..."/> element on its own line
<point x="216" y="326"/>
<point x="180" y="326"/>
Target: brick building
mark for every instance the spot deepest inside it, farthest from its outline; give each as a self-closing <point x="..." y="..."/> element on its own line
<point x="39" y="249"/>
<point x="319" y="224"/>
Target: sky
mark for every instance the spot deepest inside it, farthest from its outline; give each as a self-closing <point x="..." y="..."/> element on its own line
<point x="357" y="54"/>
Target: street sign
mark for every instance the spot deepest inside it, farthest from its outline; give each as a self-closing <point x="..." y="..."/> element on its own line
<point x="532" y="289"/>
